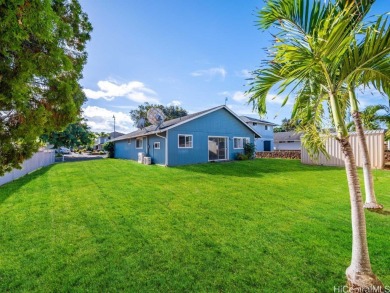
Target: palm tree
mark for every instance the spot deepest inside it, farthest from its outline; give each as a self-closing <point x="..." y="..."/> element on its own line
<point x="367" y="119"/>
<point x="317" y="40"/>
<point x="371" y="119"/>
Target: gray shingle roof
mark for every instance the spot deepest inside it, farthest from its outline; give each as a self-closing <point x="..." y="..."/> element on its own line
<point x="171" y="123"/>
<point x="289" y="135"/>
<point x="255" y="120"/>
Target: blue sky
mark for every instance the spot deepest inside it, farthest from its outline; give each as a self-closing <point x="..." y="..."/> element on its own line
<point x="191" y="53"/>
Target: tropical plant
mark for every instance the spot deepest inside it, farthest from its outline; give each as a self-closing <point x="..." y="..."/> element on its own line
<point x="373" y="117"/>
<point x="249" y="150"/>
<point x="367" y="119"/>
<point x="316" y="41"/>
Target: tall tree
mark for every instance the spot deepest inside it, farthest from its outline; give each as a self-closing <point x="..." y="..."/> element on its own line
<point x="373" y="117"/>
<point x="367" y="119"/>
<point x="316" y="39"/>
<point x="42" y="54"/>
<point x="287" y="125"/>
<point x="75" y="135"/>
<point x="170" y="112"/>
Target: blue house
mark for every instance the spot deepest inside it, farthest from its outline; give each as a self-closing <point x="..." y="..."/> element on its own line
<point x="216" y="134"/>
<point x="265" y="143"/>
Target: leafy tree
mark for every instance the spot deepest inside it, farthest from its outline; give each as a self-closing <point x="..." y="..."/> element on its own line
<point x="316" y="51"/>
<point x="170" y="112"/>
<point x="110" y="148"/>
<point x="42" y="54"/>
<point x="287" y="125"/>
<point x="75" y="135"/>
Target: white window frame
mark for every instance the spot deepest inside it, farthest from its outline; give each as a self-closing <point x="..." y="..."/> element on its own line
<point x="226" y="148"/>
<point x="142" y="143"/>
<point x="242" y="142"/>
<point x="155" y="144"/>
<point x="185" y="139"/>
<point x="266" y="127"/>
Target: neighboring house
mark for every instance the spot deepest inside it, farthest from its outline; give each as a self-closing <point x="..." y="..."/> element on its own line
<point x="216" y="134"/>
<point x="101" y="140"/>
<point x="266" y="129"/>
<point x="289" y="140"/>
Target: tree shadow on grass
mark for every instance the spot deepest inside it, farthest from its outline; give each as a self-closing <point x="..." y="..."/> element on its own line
<point x="254" y="168"/>
<point x="11" y="187"/>
<point x="381" y="212"/>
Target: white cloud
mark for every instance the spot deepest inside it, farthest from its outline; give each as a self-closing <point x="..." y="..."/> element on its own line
<point x="133" y="90"/>
<point x="210" y="73"/>
<point x="225" y="93"/>
<point x="174" y="103"/>
<point x="246" y="73"/>
<point x="240" y="96"/>
<point x="101" y="119"/>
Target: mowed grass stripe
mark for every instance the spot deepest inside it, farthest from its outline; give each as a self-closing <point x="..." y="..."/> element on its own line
<point x="108" y="225"/>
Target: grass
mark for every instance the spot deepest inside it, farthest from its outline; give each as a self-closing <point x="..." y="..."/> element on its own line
<point x="113" y="225"/>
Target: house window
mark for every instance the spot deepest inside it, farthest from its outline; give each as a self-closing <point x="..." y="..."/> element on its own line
<point x="266" y="127"/>
<point x="129" y="141"/>
<point x="139" y="143"/>
<point x="254" y="124"/>
<point x="185" y="141"/>
<point x="239" y="142"/>
<point x="156" y="145"/>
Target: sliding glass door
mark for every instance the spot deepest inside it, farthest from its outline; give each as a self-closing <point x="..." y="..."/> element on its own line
<point x="217" y="148"/>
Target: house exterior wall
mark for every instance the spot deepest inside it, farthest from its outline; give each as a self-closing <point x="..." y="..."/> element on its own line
<point x="266" y="135"/>
<point x="157" y="155"/>
<point x="288" y="146"/>
<point x="126" y="150"/>
<point x="220" y="123"/>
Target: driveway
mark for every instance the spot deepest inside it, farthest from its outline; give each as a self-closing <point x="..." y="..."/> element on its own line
<point x="74" y="157"/>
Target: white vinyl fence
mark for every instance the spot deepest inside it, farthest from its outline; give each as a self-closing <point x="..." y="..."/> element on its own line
<point x="38" y="160"/>
<point x="376" y="148"/>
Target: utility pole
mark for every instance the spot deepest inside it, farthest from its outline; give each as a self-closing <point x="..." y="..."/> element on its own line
<point x="113" y="116"/>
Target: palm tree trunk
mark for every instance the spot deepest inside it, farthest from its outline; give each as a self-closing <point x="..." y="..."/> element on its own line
<point x="371" y="202"/>
<point x="359" y="273"/>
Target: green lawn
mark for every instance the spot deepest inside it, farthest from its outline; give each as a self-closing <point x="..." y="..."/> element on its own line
<point x="108" y="225"/>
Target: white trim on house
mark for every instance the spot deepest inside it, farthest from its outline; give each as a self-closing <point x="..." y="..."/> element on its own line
<point x="166" y="148"/>
<point x="241" y="145"/>
<point x="211" y="111"/>
<point x="226" y="147"/>
<point x="185" y="141"/>
<point x="142" y="143"/>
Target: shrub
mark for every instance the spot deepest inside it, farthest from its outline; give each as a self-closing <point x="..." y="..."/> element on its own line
<point x="249" y="150"/>
<point x="110" y="148"/>
<point x="241" y="157"/>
